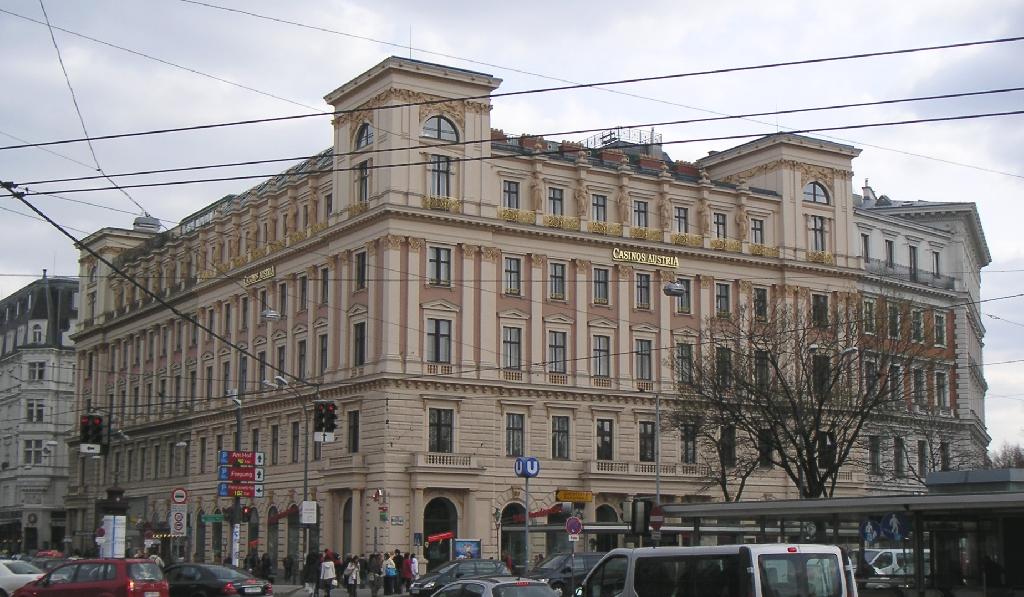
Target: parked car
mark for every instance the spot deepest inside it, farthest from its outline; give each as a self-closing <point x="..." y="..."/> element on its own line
<point x="195" y="580"/>
<point x="46" y="564"/>
<point x="499" y="586"/>
<point x="430" y="583"/>
<point x="15" y="574"/>
<point x="563" y="571"/>
<point x="88" y="578"/>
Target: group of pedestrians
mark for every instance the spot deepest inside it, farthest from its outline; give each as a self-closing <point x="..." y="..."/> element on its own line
<point x="392" y="572"/>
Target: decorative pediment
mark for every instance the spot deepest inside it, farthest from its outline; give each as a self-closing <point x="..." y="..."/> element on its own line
<point x="441" y="305"/>
<point x="320" y="323"/>
<point x="685" y="332"/>
<point x="356" y="310"/>
<point x="224" y="351"/>
<point x="280" y="335"/>
<point x="206" y="356"/>
<point x="602" y="322"/>
<point x="259" y="341"/>
<point x="513" y="314"/>
<point x="299" y="330"/>
<point x="644" y="327"/>
<point x="559" y="318"/>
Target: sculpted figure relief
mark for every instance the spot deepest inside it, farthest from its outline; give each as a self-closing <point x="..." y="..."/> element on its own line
<point x="741" y="222"/>
<point x="537" y="192"/>
<point x="580" y="195"/>
<point x="622" y="201"/>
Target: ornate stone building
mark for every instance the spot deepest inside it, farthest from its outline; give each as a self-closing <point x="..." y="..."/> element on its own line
<point x="465" y="297"/>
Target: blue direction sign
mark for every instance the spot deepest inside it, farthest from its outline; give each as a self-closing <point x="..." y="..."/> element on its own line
<point x="870" y="531"/>
<point x="895" y="526"/>
<point x="527" y="466"/>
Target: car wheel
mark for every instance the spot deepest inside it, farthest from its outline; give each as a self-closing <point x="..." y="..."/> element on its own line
<point x="559" y="589"/>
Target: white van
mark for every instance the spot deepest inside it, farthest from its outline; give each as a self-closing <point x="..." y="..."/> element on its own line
<point x="894" y="562"/>
<point x="766" y="570"/>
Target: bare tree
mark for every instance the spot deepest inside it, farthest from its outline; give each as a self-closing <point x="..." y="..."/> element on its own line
<point x="1007" y="456"/>
<point x="800" y="385"/>
<point x="726" y="459"/>
<point x="931" y="442"/>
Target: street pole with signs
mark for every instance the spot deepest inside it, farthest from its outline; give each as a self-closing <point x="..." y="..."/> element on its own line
<point x="527" y="467"/>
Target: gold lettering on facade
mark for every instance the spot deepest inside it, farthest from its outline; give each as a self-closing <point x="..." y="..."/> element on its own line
<point x="259" y="276"/>
<point x="645" y="258"/>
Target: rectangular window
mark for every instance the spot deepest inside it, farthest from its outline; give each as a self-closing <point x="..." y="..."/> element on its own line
<point x="940" y="329"/>
<point x="328" y="204"/>
<point x="560" y="438"/>
<point x="282" y="360"/>
<point x="761" y="304"/>
<point x="557" y="281"/>
<point x="363" y="181"/>
<point x="282" y="298"/>
<point x="602" y="356"/>
<point x="647" y="441"/>
<point x="34" y="408"/>
<point x="894" y="321"/>
<point x="922" y="458"/>
<point x="556" y="201"/>
<point x="920" y="391"/>
<point x="722" y="307"/>
<point x="303" y="293"/>
<point x="868" y="316"/>
<point x="688" y="439"/>
<point x="865" y="247"/>
<point x="819" y="309"/>
<point x="225" y="376"/>
<point x="875" y="455"/>
<point x="440" y="176"/>
<point x="721" y="226"/>
<point x="514" y="431"/>
<point x="439" y="340"/>
<point x="261" y="366"/>
<point x="604" y="439"/>
<point x="912" y="261"/>
<point x="510" y="194"/>
<point x="944" y="457"/>
<point x="757" y="231"/>
<point x="683" y="299"/>
<point x="821" y="374"/>
<point x="275" y="440"/>
<point x="37" y="371"/>
<point x="723" y="367"/>
<point x="325" y="285"/>
<point x="936" y="264"/>
<point x="899" y="457"/>
<point x="243" y="317"/>
<point x="511" y="348"/>
<point x="917" y="325"/>
<point x="640" y="214"/>
<point x="156" y="462"/>
<point x="300" y="365"/>
<point x="359" y="344"/>
<point x="33" y="453"/>
<point x="818" y="241"/>
<point x="941" y="390"/>
<point x="202" y="456"/>
<point x="362" y="270"/>
<point x="684" y="363"/>
<point x="295" y="442"/>
<point x="556" y="352"/>
<point x="440" y="430"/>
<point x="513" y="276"/>
<point x="323" y="353"/>
<point x="895" y="382"/>
<point x="440" y="266"/>
<point x="599" y="208"/>
<point x="353" y="431"/>
<point x="764" y="448"/>
<point x="727" y="446"/>
<point x="762" y="369"/>
<point x="890" y="253"/>
<point x="644" y="369"/>
<point x="643" y="291"/>
<point x="681" y="220"/>
<point x="601" y="286"/>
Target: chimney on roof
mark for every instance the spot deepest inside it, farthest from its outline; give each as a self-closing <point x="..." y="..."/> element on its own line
<point x="869" y="193"/>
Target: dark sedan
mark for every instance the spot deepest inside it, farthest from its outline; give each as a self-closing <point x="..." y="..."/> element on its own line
<point x="194" y="580"/>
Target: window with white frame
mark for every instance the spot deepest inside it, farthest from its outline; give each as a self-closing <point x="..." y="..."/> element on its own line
<point x="890" y="253"/>
<point x="510" y="194"/>
<point x="721" y="224"/>
<point x="33" y="452"/>
<point x="441" y="430"/>
<point x="34" y="410"/>
<point x="601" y="284"/>
<point x="761" y="304"/>
<point x="363" y="181"/>
<point x="646" y="441"/>
<point x="917" y="325"/>
<point x="920" y="392"/>
<point x="440" y="128"/>
<point x="757" y="231"/>
<point x="556" y="281"/>
<point x="684" y="298"/>
<point x="511" y="347"/>
<point x="644" y="365"/>
<point x="364" y="137"/>
<point x="440" y="173"/>
<point x="936" y="263"/>
<point x="439" y="340"/>
<point x="599" y="208"/>
<point x="868" y="316"/>
<point x="556" y="352"/>
<point x="894" y="321"/>
<point x="940" y="329"/>
<point x="359" y="344"/>
<point x="684" y="362"/>
<point x="515" y="431"/>
<point x="560" y="437"/>
<point x="643" y="291"/>
<point x="439" y="266"/>
<point x="681" y="220"/>
<point x="640" y="214"/>
<point x="605" y="439"/>
<point x="818" y="240"/>
<point x="688" y="441"/>
<point x="941" y="389"/>
<point x="722" y="303"/>
<point x="814" y="192"/>
<point x="556" y="201"/>
<point x="513" y="275"/>
<point x="37" y="370"/>
<point x="601" y="356"/>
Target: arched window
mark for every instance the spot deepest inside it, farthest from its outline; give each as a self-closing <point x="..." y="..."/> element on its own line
<point x="439" y="127"/>
<point x="365" y="136"/>
<point x="37" y="334"/>
<point x="815" y="193"/>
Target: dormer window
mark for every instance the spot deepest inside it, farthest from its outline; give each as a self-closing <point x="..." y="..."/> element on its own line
<point x="440" y="128"/>
<point x="816" y="193"/>
<point x="364" y="137"/>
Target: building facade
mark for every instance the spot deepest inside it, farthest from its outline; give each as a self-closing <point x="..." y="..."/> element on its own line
<point x="465" y="297"/>
<point x="37" y="365"/>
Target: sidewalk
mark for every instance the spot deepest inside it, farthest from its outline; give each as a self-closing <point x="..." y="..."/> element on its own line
<point x="299" y="591"/>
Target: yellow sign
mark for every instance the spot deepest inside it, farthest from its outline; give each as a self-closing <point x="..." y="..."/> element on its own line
<point x="257" y="277"/>
<point x="645" y="258"/>
<point x="572" y="495"/>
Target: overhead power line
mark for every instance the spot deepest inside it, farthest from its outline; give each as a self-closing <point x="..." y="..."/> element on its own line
<point x="626" y="81"/>
<point x="533" y="154"/>
<point x="372" y="151"/>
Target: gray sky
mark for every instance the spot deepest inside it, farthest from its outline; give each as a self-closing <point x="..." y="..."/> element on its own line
<point x="578" y="41"/>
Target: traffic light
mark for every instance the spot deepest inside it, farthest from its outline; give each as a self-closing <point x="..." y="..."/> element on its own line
<point x="319" y="417"/>
<point x="246" y="513"/>
<point x="84" y="429"/>
<point x="91" y="429"/>
<point x="331" y="417"/>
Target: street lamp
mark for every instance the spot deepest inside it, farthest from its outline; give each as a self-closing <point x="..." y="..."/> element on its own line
<point x="270" y="314"/>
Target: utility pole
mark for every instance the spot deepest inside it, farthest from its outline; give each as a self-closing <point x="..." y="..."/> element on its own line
<point x="236" y="510"/>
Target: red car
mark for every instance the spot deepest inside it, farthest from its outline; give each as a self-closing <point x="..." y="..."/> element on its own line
<point x="88" y="578"/>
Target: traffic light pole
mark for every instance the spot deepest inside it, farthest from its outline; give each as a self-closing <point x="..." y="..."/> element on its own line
<point x="305" y="471"/>
<point x="236" y="510"/>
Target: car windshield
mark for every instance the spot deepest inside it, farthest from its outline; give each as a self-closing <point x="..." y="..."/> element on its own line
<point x="224" y="573"/>
<point x="144" y="571"/>
<point x="552" y="561"/>
<point x="17" y="567"/>
<point x="523" y="590"/>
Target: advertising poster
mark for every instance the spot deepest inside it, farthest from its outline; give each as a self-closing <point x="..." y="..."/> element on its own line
<point x="467" y="548"/>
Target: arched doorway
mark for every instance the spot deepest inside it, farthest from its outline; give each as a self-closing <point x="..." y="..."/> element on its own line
<point x="512" y="541"/>
<point x="606" y="541"/>
<point x="217" y="534"/>
<point x="439" y="516"/>
<point x="200" y="555"/>
<point x="346" y="527"/>
<point x="272" y="526"/>
<point x="253" y="537"/>
<point x="294" y="529"/>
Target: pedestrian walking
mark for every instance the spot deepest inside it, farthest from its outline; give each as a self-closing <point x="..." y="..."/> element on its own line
<point x="328" y="573"/>
<point x="311" y="572"/>
<point x="351" y="576"/>
<point x="390" y="574"/>
<point x="374" y="574"/>
<point x="406" y="574"/>
<point x="289" y="568"/>
<point x="266" y="566"/>
<point x="415" y="567"/>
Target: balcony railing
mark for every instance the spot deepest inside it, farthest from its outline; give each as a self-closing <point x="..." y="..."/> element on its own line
<point x="823" y="257"/>
<point x="512" y="375"/>
<point x="439" y="369"/>
<point x="609" y="228"/>
<point x="688" y="240"/>
<point x="520" y="216"/>
<point x="448" y="204"/>
<point x="727" y="244"/>
<point x="672" y="469"/>
<point x="563" y="222"/>
<point x="560" y="379"/>
<point x="445" y="461"/>
<point x="645" y="233"/>
<point x="645" y="386"/>
<point x="601" y="382"/>
<point x="764" y="250"/>
<point x="882" y="268"/>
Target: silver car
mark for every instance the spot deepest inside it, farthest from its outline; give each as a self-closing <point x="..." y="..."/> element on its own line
<point x="497" y="586"/>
